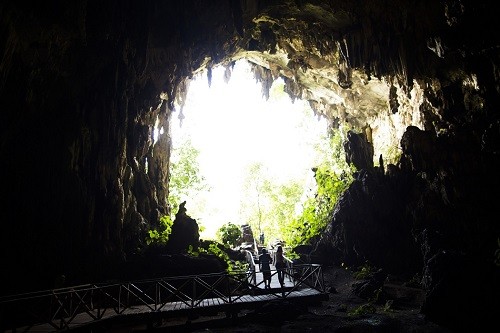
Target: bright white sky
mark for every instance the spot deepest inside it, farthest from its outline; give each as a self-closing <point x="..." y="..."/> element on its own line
<point x="233" y="126"/>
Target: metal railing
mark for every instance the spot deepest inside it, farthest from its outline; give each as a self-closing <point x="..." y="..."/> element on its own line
<point x="59" y="307"/>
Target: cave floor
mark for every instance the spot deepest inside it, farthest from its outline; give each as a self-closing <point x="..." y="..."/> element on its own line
<point x="342" y="312"/>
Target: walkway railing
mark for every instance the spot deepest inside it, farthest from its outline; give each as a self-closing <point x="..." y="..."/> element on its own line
<point x="60" y="307"/>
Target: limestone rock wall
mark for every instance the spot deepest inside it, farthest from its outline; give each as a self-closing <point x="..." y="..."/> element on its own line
<point x="82" y="86"/>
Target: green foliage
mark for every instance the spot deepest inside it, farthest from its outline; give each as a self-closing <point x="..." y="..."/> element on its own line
<point x="362" y="310"/>
<point x="214" y="249"/>
<point x="185" y="175"/>
<point x="291" y="255"/>
<point x="299" y="230"/>
<point x="388" y="306"/>
<point x="160" y="235"/>
<point x="253" y="205"/>
<point x="283" y="199"/>
<point x="293" y="212"/>
<point x="289" y="212"/>
<point x="333" y="176"/>
<point x="369" y="307"/>
<point x="277" y="91"/>
<point x="363" y="272"/>
<point x="229" y="234"/>
<point x="333" y="152"/>
<point x="376" y="296"/>
<point x="392" y="154"/>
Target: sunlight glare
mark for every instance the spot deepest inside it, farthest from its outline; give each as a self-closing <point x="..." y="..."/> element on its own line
<point x="233" y="127"/>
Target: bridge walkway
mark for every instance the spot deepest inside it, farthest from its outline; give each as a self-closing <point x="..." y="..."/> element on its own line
<point x="150" y="300"/>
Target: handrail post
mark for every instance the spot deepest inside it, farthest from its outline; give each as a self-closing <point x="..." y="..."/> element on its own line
<point x="119" y="297"/>
<point x="194" y="292"/>
<point x="229" y="289"/>
<point x="157" y="296"/>
<point x="322" y="280"/>
<point x="99" y="302"/>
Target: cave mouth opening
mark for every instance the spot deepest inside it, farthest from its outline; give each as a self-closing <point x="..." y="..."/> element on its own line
<point x="243" y="148"/>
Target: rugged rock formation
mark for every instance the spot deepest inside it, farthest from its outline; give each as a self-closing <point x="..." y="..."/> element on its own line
<point x="185" y="232"/>
<point x="425" y="218"/>
<point x="84" y="84"/>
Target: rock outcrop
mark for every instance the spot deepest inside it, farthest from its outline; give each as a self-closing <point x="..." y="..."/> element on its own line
<point x="420" y="219"/>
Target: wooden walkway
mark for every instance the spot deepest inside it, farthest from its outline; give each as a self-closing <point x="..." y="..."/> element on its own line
<point x="143" y="313"/>
<point x="152" y="300"/>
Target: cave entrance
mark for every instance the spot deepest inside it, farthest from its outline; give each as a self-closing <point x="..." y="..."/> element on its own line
<point x="244" y="152"/>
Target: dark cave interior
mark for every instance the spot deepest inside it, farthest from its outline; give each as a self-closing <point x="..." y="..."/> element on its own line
<point x="82" y="84"/>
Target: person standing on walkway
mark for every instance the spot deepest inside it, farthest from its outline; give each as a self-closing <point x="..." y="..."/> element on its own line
<point x="280" y="264"/>
<point x="265" y="261"/>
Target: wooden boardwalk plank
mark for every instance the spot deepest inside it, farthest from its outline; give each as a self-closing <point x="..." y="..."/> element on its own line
<point x="138" y="310"/>
<point x="172" y="305"/>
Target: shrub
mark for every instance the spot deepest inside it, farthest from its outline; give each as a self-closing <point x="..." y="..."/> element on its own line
<point x="229" y="234"/>
<point x="160" y="235"/>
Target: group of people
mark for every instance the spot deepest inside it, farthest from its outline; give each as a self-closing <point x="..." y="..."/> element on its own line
<point x="265" y="261"/>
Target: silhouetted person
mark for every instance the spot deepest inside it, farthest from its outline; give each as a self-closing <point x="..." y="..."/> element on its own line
<point x="264" y="266"/>
<point x="279" y="262"/>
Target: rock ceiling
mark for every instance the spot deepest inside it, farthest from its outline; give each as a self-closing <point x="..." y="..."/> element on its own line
<point x="361" y="65"/>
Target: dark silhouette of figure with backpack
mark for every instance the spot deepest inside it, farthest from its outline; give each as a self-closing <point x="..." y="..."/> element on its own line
<point x="265" y="261"/>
